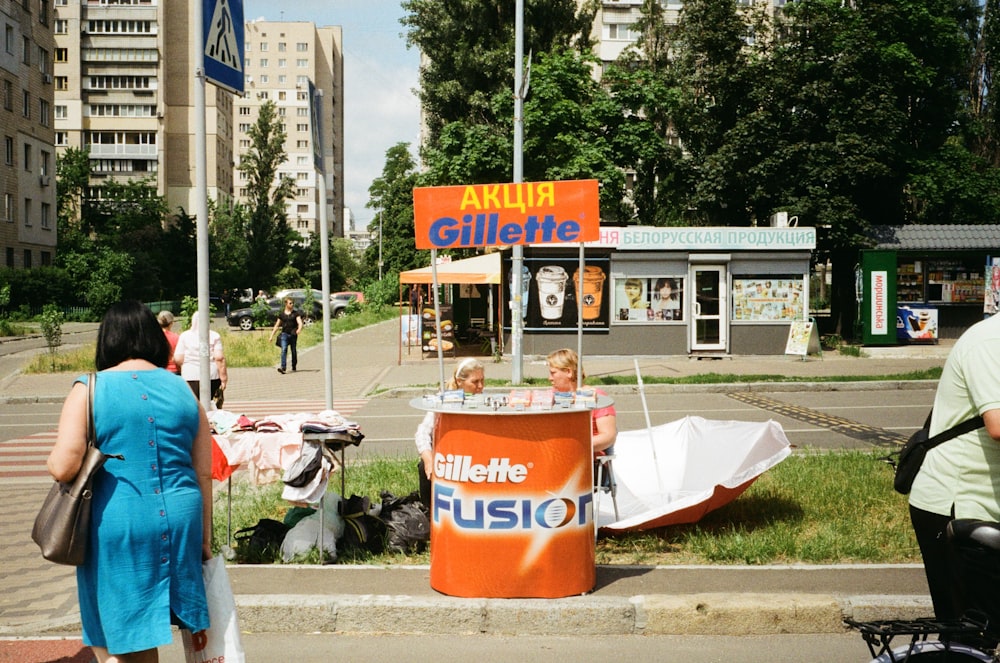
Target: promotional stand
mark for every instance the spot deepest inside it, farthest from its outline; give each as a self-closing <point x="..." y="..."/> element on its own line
<point x="512" y="501"/>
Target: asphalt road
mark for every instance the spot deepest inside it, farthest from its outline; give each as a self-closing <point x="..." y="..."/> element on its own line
<point x="811" y="420"/>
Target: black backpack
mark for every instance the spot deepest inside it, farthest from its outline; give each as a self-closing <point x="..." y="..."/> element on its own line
<point x="260" y="544"/>
<point x="362" y="531"/>
<point x="407" y="524"/>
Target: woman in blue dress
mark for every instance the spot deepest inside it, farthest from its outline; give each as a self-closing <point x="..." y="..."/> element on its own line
<point x="151" y="525"/>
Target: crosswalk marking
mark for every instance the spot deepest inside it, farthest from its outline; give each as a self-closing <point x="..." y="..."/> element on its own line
<point x="877" y="436"/>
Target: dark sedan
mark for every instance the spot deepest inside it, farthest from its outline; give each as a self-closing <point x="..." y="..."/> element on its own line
<point x="244" y="317"/>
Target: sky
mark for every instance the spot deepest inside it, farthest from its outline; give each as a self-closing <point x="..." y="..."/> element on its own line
<point x="380" y="76"/>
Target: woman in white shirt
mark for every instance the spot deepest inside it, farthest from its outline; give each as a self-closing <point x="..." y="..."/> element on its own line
<point x="470" y="377"/>
<point x="186" y="356"/>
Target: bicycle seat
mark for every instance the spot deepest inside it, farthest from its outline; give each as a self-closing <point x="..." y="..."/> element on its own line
<point x="966" y="531"/>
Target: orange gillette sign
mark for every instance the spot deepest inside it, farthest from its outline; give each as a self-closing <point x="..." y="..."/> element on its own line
<point x="452" y="217"/>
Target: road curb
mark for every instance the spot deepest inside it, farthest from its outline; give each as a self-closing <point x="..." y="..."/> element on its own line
<point x="691" y="614"/>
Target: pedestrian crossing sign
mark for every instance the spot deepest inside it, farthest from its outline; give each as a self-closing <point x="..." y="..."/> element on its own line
<point x="223" y="35"/>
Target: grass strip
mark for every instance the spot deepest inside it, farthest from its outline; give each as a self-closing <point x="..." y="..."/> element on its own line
<point x="813" y="508"/>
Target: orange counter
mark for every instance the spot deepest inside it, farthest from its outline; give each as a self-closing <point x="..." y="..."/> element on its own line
<point x="512" y="503"/>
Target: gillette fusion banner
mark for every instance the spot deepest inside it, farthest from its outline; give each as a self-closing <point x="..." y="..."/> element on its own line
<point x="476" y="215"/>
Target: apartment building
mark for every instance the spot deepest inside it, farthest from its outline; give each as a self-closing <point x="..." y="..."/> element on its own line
<point x="299" y="67"/>
<point x="613" y="32"/>
<point x="124" y="76"/>
<point x="28" y="205"/>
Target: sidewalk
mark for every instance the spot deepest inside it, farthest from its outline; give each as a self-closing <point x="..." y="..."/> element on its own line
<point x="40" y="599"/>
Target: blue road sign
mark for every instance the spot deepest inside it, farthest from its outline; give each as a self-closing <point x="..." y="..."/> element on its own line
<point x="223" y="28"/>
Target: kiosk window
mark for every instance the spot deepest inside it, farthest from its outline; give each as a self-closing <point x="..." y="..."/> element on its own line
<point x="768" y="298"/>
<point x="649" y="299"/>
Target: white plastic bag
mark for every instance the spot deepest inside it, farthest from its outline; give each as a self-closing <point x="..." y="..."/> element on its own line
<point x="304" y="536"/>
<point x="221" y="641"/>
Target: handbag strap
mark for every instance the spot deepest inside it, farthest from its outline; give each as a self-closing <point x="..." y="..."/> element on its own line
<point x="91" y="432"/>
<point x="956" y="430"/>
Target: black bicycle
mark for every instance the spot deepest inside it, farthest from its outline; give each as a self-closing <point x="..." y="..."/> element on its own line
<point x="974" y="637"/>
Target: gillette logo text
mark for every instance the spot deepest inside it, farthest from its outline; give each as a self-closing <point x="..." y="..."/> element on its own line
<point x="462" y="469"/>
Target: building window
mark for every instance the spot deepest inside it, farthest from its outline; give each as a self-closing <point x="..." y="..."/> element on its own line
<point x="60" y="112"/>
<point x="263" y="63"/>
<point x="27" y="258"/>
<point x="244" y="127"/>
<point x="281" y="95"/>
<point x="282" y="79"/>
<point x="8" y="95"/>
<point x="43" y="112"/>
<point x="62" y="55"/>
<point x="244" y="110"/>
<point x="43" y="60"/>
<point x="302" y="112"/>
<point x="282" y="111"/>
<point x="302" y="144"/>
<point x="8" y="143"/>
<point x="10" y="256"/>
<point x="302" y="127"/>
<point x="302" y="80"/>
<point x="302" y="95"/>
<point x="8" y="207"/>
<point x="60" y="26"/>
<point x="282" y="47"/>
<point x="27" y="157"/>
<point x="263" y="46"/>
<point x="43" y="12"/>
<point x="46" y="258"/>
<point x="263" y="79"/>
<point x="282" y="63"/>
<point x="46" y="214"/>
<point x="302" y="63"/>
<point x="62" y="82"/>
<point x="302" y="47"/>
<point x="244" y="143"/>
<point x="62" y="138"/>
<point x="263" y="95"/>
<point x="43" y="162"/>
<point x="26" y="50"/>
<point x="9" y="39"/>
<point x="27" y="212"/>
<point x="25" y="103"/>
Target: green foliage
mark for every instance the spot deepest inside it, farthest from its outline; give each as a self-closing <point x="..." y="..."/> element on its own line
<point x="268" y="237"/>
<point x="392" y="196"/>
<point x="51" y="323"/>
<point x="384" y="292"/>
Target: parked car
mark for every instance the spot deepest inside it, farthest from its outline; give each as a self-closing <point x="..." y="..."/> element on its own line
<point x="339" y="301"/>
<point x="349" y="295"/>
<point x="244" y="317"/>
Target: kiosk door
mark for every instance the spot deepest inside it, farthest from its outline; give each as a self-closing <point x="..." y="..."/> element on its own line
<point x="710" y="303"/>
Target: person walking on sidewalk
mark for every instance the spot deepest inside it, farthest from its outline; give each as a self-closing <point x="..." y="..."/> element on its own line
<point x="960" y="478"/>
<point x="187" y="356"/>
<point x="290" y="323"/>
<point x="152" y="511"/>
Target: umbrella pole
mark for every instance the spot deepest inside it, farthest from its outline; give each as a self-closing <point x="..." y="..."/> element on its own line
<point x="649" y="425"/>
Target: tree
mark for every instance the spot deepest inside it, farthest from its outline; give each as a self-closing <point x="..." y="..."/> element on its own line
<point x="466" y="68"/>
<point x="228" y="248"/>
<point x="268" y="236"/>
<point x="391" y="196"/>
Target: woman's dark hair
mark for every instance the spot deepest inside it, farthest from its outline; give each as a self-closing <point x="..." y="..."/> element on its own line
<point x="129" y="330"/>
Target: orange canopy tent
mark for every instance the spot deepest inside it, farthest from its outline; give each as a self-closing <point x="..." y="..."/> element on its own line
<point x="484" y="269"/>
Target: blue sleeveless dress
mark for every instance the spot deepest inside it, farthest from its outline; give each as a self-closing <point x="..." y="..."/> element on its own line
<point x="143" y="566"/>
